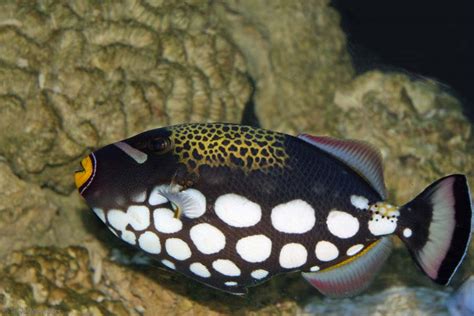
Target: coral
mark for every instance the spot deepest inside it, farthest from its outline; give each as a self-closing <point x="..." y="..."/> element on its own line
<point x="415" y="122"/>
<point x="48" y="281"/>
<point x="20" y="206"/>
<point x="77" y="75"/>
<point x="51" y="281"/>
<point x="393" y="301"/>
<point x="297" y="54"/>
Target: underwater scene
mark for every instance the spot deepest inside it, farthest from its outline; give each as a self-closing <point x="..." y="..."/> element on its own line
<point x="229" y="157"/>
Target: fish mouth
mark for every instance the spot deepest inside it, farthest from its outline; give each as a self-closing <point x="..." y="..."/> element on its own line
<point x="83" y="177"/>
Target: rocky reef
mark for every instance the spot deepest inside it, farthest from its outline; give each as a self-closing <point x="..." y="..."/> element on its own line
<point x="76" y="75"/>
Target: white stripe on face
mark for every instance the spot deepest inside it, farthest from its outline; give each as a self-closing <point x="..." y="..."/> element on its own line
<point x="139" y="156"/>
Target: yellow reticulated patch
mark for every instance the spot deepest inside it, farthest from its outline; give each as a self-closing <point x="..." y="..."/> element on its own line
<point x="81" y="177"/>
<point x="234" y="146"/>
<point x="385" y="209"/>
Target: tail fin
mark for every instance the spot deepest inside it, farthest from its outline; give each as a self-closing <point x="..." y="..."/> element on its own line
<point x="436" y="227"/>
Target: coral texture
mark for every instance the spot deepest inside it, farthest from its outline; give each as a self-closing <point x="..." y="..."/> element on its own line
<point x="76" y="75"/>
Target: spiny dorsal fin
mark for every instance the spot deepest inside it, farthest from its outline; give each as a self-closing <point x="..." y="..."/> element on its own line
<point x="361" y="156"/>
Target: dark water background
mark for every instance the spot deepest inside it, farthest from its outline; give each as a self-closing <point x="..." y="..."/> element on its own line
<point x="428" y="38"/>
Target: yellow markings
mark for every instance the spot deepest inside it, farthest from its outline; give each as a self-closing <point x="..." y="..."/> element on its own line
<point x="177" y="210"/>
<point x="349" y="260"/>
<point x="81" y="177"/>
<point x="385" y="209"/>
<point x="228" y="145"/>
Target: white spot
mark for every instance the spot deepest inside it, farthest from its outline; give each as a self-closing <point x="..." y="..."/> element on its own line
<point x="295" y="217"/>
<point x="177" y="249"/>
<point x="314" y="268"/>
<point x="169" y="264"/>
<point x="256" y="248"/>
<point x="407" y="232"/>
<point x="150" y="242"/>
<point x="156" y="197"/>
<point x="137" y="155"/>
<point x="226" y="267"/>
<point x="207" y="238"/>
<point x="129" y="237"/>
<point x="354" y="249"/>
<point x="139" y="197"/>
<point x="199" y="269"/>
<point x="237" y="211"/>
<point x="342" y="224"/>
<point x="100" y="213"/>
<point x="231" y="283"/>
<point x="379" y="225"/>
<point x="259" y="274"/>
<point x="326" y="251"/>
<point x="165" y="222"/>
<point x="117" y="219"/>
<point x="192" y="202"/>
<point x="293" y="255"/>
<point x="139" y="217"/>
<point x="360" y="202"/>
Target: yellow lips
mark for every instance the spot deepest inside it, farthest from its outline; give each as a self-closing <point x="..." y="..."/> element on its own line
<point x="81" y="177"/>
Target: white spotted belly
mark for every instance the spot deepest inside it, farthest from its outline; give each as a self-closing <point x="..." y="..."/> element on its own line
<point x="235" y="242"/>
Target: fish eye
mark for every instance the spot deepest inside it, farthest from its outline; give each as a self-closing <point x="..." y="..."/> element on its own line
<point x="160" y="145"/>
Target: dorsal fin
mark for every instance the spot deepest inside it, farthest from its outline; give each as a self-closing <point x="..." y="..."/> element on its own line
<point x="361" y="156"/>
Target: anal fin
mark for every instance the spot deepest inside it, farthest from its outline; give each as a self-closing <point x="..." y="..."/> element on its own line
<point x="354" y="275"/>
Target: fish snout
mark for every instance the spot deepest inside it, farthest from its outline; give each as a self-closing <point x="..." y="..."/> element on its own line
<point x="84" y="177"/>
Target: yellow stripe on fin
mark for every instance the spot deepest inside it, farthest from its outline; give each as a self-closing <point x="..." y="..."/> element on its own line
<point x="350" y="259"/>
<point x="354" y="275"/>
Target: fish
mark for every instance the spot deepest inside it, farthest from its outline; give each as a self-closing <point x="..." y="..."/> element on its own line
<point x="231" y="206"/>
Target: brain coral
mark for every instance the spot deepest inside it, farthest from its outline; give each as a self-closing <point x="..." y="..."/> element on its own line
<point x="76" y="75"/>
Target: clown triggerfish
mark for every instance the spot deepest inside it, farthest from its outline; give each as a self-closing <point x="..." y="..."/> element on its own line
<point x="231" y="206"/>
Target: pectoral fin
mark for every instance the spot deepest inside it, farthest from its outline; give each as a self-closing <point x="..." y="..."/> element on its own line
<point x="354" y="275"/>
<point x="190" y="203"/>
